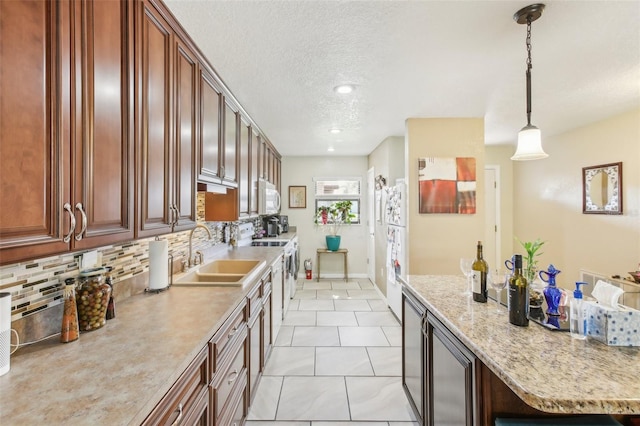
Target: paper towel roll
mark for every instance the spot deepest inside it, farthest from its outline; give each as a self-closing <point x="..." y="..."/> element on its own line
<point x="158" y="264"/>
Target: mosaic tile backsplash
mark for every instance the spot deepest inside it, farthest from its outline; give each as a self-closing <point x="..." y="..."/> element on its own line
<point x="36" y="286"/>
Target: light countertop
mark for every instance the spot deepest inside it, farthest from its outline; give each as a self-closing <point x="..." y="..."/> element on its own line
<point x="547" y="369"/>
<point x="117" y="374"/>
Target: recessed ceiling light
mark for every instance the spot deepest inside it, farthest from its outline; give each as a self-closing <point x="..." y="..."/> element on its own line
<point x="344" y="89"/>
<point x="334" y="131"/>
<point x="330" y="149"/>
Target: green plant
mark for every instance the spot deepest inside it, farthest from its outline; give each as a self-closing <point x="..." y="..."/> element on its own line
<point x="332" y="217"/>
<point x="532" y="248"/>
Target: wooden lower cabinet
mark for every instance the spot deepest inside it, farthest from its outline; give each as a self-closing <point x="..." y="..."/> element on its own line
<point x="218" y="386"/>
<point x="184" y="399"/>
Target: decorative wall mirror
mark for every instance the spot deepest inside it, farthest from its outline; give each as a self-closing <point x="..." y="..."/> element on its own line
<point x="602" y="189"/>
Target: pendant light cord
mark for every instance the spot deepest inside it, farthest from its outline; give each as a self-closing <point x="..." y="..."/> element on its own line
<point x="529" y="66"/>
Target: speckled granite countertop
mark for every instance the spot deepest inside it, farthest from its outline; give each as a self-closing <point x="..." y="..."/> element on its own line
<point x="116" y="375"/>
<point x="547" y="369"/>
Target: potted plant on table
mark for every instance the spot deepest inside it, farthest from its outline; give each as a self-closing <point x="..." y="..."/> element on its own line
<point x="331" y="218"/>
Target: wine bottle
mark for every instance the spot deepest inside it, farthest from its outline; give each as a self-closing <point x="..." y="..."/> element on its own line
<point x="479" y="270"/>
<point x="518" y="295"/>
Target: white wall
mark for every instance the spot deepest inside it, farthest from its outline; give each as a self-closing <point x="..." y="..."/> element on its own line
<point x="297" y="171"/>
<point x="387" y="160"/>
<point x="548" y="200"/>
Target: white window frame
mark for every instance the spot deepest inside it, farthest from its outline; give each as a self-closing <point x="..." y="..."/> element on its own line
<point x="355" y="197"/>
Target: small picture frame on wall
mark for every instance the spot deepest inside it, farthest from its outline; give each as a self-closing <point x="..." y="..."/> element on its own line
<point x="298" y="197"/>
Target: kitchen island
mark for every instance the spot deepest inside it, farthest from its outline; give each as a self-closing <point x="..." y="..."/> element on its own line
<point x="529" y="370"/>
<point x="117" y="374"/>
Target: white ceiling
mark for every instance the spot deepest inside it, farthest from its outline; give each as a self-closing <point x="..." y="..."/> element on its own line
<point x="282" y="59"/>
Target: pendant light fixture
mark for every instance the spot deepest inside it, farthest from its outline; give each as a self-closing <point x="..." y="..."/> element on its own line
<point x="529" y="138"/>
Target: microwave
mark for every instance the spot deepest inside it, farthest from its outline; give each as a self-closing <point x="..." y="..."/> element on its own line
<point x="268" y="198"/>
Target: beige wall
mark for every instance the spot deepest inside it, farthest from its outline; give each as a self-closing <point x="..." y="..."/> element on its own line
<point x="301" y="171"/>
<point x="437" y="241"/>
<point x="387" y="160"/>
<point x="548" y="200"/>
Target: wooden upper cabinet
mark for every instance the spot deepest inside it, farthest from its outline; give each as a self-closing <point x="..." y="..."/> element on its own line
<point x="255" y="166"/>
<point x="244" y="156"/>
<point x="154" y="113"/>
<point x="186" y="109"/>
<point x="103" y="172"/>
<point x="210" y="129"/>
<point x="277" y="172"/>
<point x="229" y="147"/>
<point x="34" y="129"/>
<point x="67" y="95"/>
<point x="167" y="72"/>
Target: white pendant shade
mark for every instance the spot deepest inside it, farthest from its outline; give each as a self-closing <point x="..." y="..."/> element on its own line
<point x="529" y="145"/>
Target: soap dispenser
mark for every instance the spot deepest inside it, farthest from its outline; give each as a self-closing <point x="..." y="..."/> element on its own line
<point x="578" y="317"/>
<point x="552" y="294"/>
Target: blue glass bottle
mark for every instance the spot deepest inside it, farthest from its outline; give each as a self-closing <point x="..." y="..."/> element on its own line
<point x="552" y="294"/>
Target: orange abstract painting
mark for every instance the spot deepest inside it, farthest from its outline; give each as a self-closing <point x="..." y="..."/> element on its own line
<point x="447" y="185"/>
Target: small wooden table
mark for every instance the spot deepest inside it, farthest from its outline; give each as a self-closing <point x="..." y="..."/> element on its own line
<point x="342" y="251"/>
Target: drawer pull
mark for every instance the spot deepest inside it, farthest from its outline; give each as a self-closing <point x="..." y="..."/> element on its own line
<point x="177" y="420"/>
<point x="234" y="373"/>
<point x="233" y="332"/>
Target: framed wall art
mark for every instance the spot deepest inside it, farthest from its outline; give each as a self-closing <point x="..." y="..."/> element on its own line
<point x="602" y="189"/>
<point x="447" y="185"/>
<point x="297" y="197"/>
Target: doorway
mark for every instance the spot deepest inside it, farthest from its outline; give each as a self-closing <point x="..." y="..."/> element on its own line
<point x="492" y="228"/>
<point x="371" y="226"/>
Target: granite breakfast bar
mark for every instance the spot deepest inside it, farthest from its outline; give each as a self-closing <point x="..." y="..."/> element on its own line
<point x="531" y="370"/>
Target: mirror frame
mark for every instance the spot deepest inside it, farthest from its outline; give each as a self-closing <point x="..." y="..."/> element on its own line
<point x="613" y="170"/>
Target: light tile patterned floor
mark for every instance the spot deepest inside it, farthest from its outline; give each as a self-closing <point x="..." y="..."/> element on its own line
<point x="336" y="361"/>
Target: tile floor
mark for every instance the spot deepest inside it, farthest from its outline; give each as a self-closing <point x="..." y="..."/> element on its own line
<point x="336" y="361"/>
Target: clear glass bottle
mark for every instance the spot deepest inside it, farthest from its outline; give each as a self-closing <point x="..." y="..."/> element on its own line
<point x="518" y="295"/>
<point x="479" y="270"/>
<point x="69" y="330"/>
<point x="92" y="298"/>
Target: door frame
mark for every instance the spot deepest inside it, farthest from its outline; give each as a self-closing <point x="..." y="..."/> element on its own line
<point x="371" y="226"/>
<point x="498" y="234"/>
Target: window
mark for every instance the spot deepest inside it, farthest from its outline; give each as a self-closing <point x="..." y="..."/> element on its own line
<point x="330" y="190"/>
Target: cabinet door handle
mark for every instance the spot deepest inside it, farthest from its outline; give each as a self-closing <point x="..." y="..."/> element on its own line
<point x="175" y="207"/>
<point x="177" y="420"/>
<point x="172" y="215"/>
<point x="72" y="227"/>
<point x="84" y="222"/>
<point x="234" y="373"/>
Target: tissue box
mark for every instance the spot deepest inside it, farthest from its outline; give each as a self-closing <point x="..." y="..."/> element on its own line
<point x="611" y="327"/>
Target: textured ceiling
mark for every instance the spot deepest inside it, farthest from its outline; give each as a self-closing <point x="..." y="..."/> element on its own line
<point x="282" y="59"/>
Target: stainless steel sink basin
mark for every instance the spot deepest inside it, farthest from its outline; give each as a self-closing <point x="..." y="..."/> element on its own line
<point x="224" y="273"/>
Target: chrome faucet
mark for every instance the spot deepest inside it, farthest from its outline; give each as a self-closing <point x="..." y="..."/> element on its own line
<point x="191" y="261"/>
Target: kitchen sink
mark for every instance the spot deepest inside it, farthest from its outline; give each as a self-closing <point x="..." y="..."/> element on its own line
<point x="228" y="266"/>
<point x="223" y="273"/>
